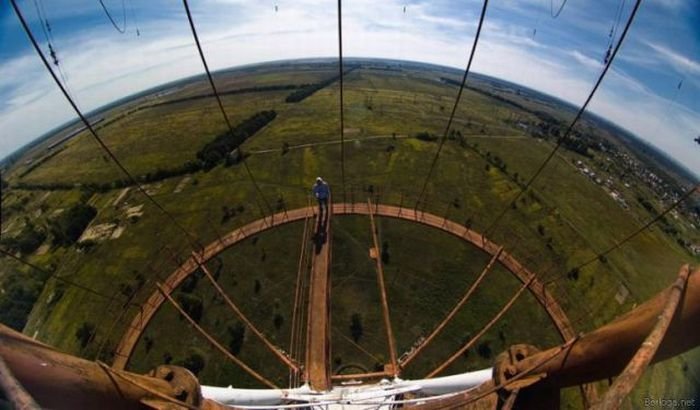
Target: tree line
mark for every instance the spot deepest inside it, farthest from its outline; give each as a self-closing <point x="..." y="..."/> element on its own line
<point x="308" y="90"/>
<point x="20" y="290"/>
<point x="212" y="154"/>
<point x="221" y="147"/>
<point x="256" y="89"/>
<point x="65" y="229"/>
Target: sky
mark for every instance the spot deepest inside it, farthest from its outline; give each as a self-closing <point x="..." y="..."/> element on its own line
<point x="521" y="42"/>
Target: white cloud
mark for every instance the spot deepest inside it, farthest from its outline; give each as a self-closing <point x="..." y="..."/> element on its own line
<point x="655" y="119"/>
<point x="421" y="14"/>
<point x="586" y="61"/>
<point x="672" y="5"/>
<point x="679" y="62"/>
<point x="104" y="66"/>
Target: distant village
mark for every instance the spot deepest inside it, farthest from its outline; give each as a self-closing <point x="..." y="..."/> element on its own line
<point x="623" y="170"/>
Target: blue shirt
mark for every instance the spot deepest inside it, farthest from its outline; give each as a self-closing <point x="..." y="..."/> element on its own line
<point x="321" y="190"/>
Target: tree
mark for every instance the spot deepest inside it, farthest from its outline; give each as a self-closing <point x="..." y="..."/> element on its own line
<point x="67" y="227"/>
<point x="278" y="321"/>
<point x="540" y="229"/>
<point x="148" y="343"/>
<point x="257" y="287"/>
<point x="573" y="274"/>
<point x="192" y="305"/>
<point x="218" y="150"/>
<point x="194" y="362"/>
<point x="385" y="253"/>
<point x="484" y="349"/>
<point x="20" y="294"/>
<point x="466" y="340"/>
<point x="236" y="338"/>
<point x="84" y="334"/>
<point x="190" y="282"/>
<point x="468" y="223"/>
<point x="356" y="327"/>
<point x="425" y="136"/>
<point x="125" y="289"/>
<point x="308" y="89"/>
<point x="27" y="241"/>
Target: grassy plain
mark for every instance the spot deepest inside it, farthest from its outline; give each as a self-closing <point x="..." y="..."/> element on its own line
<point x="563" y="221"/>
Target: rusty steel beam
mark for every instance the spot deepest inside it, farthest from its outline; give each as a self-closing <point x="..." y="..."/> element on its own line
<point x="604" y="353"/>
<point x="518" y="380"/>
<point x="382" y="292"/>
<point x="213" y="341"/>
<point x="483" y="331"/>
<point x="158" y="396"/>
<point x="60" y="381"/>
<point x="453" y="312"/>
<point x="133" y="333"/>
<point x="317" y="366"/>
<point x="296" y="332"/>
<point x="542" y="295"/>
<point x="272" y="348"/>
<point x="13" y="390"/>
<point x="629" y="377"/>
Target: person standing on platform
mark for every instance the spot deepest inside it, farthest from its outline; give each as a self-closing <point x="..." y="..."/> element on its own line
<point x="321" y="192"/>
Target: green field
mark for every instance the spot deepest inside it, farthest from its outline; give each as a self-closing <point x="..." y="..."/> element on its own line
<point x="414" y="284"/>
<point x="564" y="220"/>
